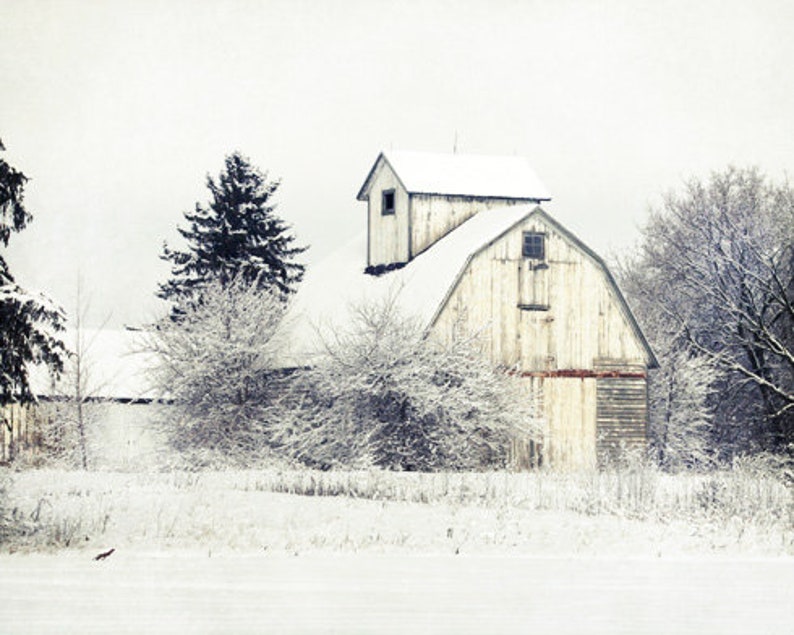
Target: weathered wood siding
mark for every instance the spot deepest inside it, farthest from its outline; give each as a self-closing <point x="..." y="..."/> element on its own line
<point x="434" y="216"/>
<point x="576" y="327"/>
<point x="15" y="432"/>
<point x="622" y="416"/>
<point x="569" y="424"/>
<point x="583" y="325"/>
<point x="388" y="235"/>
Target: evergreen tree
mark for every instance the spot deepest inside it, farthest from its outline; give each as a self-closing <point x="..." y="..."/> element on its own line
<point x="28" y="323"/>
<point x="238" y="236"/>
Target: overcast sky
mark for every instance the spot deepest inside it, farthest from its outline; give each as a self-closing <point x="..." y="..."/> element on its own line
<point x="118" y="110"/>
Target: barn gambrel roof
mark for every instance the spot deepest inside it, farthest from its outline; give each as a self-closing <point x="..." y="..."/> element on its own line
<point x="419" y="289"/>
<point x="477" y="176"/>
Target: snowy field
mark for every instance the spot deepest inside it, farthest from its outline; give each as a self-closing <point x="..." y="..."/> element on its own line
<point x="179" y="592"/>
<point x="373" y="552"/>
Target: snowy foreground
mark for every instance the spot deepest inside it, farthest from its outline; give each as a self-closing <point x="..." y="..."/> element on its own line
<point x="177" y="592"/>
<point x="372" y="552"/>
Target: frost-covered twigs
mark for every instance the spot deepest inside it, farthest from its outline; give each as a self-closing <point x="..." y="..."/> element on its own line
<point x="715" y="281"/>
<point x="217" y="364"/>
<point x="68" y="419"/>
<point x="681" y="415"/>
<point x="383" y="394"/>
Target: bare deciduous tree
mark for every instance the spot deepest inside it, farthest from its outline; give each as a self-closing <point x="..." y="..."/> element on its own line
<point x="75" y="405"/>
<point x="383" y="394"/>
<point x="217" y="365"/>
<point x="716" y="277"/>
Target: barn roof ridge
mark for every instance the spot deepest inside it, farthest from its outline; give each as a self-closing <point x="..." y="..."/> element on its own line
<point x="468" y="175"/>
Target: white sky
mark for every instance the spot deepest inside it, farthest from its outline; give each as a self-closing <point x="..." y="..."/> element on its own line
<point x="118" y="110"/>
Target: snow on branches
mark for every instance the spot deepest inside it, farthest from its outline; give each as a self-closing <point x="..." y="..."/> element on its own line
<point x="29" y="323"/>
<point x="715" y="278"/>
<point x="383" y="394"/>
<point x="237" y="235"/>
<point x="217" y="366"/>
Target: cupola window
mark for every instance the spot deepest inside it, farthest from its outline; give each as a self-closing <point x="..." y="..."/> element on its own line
<point x="387" y="205"/>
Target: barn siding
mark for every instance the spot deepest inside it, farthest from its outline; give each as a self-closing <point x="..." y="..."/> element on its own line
<point x="388" y="235"/>
<point x="434" y="216"/>
<point x="621" y="416"/>
<point x="16" y="433"/>
<point x="584" y="325"/>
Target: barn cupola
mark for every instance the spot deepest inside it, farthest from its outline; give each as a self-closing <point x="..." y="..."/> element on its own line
<point x="416" y="198"/>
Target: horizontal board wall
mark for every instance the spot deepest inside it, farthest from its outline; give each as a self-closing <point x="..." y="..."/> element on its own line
<point x="621" y="416"/>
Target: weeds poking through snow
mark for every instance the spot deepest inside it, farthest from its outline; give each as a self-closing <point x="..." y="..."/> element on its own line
<point x="349" y="511"/>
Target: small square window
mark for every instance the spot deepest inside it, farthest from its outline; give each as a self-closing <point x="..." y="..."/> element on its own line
<point x="387" y="204"/>
<point x="534" y="246"/>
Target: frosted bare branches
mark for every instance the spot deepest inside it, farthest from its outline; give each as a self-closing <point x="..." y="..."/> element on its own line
<point x="217" y="365"/>
<point x="715" y="277"/>
<point x="74" y="408"/>
<point x="384" y="394"/>
<point x="681" y="416"/>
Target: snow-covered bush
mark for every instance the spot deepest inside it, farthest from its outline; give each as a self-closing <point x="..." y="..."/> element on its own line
<point x="681" y="416"/>
<point x="216" y="363"/>
<point x="383" y="394"/>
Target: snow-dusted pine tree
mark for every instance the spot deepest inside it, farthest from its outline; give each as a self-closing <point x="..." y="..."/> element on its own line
<point x="29" y="323"/>
<point x="237" y="236"/>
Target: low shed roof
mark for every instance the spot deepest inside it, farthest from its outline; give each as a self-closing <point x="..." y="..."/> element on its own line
<point x="115" y="366"/>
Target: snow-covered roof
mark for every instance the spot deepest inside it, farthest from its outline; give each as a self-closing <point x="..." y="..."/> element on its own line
<point x="462" y="175"/>
<point x="338" y="283"/>
<point x="114" y="366"/>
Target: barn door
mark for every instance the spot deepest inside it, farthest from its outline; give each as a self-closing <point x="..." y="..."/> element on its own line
<point x="621" y="416"/>
<point x="533" y="279"/>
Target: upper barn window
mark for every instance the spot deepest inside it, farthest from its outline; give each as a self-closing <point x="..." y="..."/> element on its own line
<point x="534" y="246"/>
<point x="387" y="202"/>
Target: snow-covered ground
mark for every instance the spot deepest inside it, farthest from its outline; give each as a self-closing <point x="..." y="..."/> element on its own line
<point x="193" y="592"/>
<point x="537" y="514"/>
<point x="251" y="551"/>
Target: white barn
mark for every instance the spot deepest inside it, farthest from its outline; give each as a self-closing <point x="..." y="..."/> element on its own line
<point x="462" y="240"/>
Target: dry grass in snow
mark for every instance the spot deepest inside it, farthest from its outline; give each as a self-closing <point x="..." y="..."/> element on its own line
<point x="634" y="511"/>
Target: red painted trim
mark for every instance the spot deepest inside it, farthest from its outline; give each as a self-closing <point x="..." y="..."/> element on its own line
<point x="583" y="374"/>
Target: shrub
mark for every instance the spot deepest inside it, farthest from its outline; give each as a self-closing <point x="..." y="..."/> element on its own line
<point x="384" y="394"/>
<point x="216" y="363"/>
